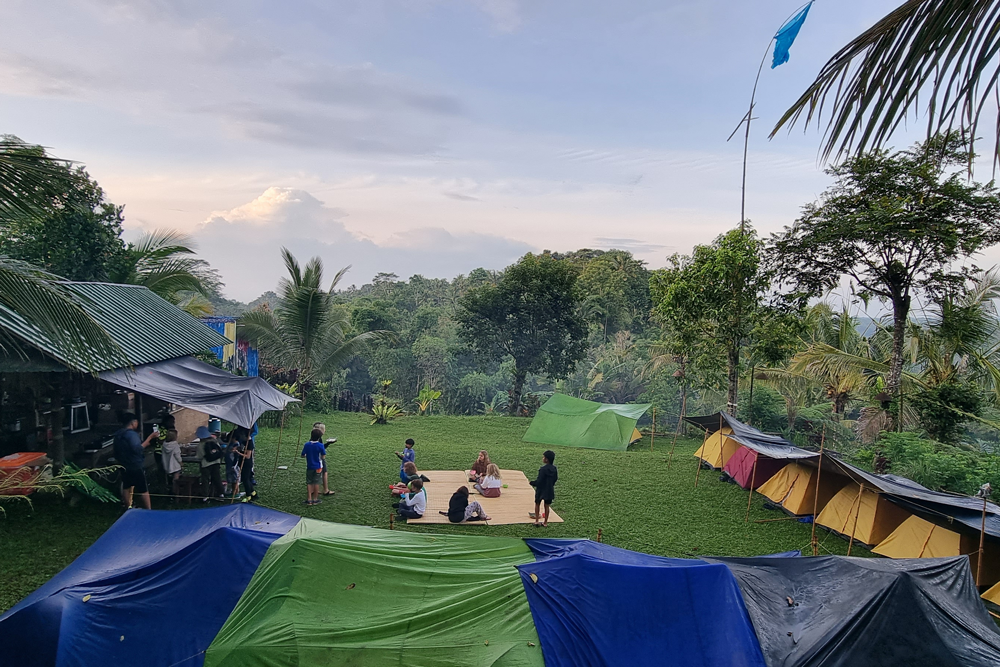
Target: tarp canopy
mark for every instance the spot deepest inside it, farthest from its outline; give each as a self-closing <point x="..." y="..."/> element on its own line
<point x="332" y="594"/>
<point x="574" y="422"/>
<point x="748" y="468"/>
<point x="866" y="612"/>
<point x="194" y="384"/>
<point x="773" y="446"/>
<point x="596" y="605"/>
<point x="867" y="515"/>
<point x="153" y="590"/>
<point x="794" y="488"/>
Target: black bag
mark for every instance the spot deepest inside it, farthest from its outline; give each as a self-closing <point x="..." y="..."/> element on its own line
<point x="212" y="450"/>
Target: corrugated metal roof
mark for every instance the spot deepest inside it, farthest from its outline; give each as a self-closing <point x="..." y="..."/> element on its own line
<point x="147" y="327"/>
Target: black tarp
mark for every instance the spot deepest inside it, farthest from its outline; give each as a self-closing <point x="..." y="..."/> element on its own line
<point x="773" y="446"/>
<point x="194" y="384"/>
<point x="934" y="506"/>
<point x="833" y="611"/>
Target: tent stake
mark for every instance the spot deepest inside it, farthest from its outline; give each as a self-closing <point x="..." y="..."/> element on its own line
<point x="982" y="535"/>
<point x="277" y="453"/>
<point x="599" y="535"/>
<point x="819" y="473"/>
<point x="753" y="478"/>
<point x="854" y="528"/>
<point x="698" y="472"/>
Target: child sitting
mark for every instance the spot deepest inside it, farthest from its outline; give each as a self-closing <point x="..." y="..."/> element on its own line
<point x="461" y="509"/>
<point x="410" y="471"/>
<point x="414" y="504"/>
<point x="490" y="483"/>
<point x="172" y="461"/>
<point x="479" y="467"/>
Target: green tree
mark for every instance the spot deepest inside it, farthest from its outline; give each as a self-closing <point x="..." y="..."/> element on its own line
<point x="529" y="314"/>
<point x="616" y="289"/>
<point x="893" y="224"/>
<point x="165" y="262"/>
<point x="71" y="231"/>
<point x="306" y="332"/>
<point x="715" y="297"/>
<point x="925" y="55"/>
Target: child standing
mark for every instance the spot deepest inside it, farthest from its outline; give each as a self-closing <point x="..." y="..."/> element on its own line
<point x="314" y="453"/>
<point x="407" y="455"/>
<point x="545" y="488"/>
<point x="172" y="461"/>
<point x="326" y="472"/>
<point x="233" y="461"/>
<point x="414" y="504"/>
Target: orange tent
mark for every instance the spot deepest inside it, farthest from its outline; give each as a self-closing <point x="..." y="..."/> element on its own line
<point x="794" y="487"/>
<point x="717" y="448"/>
<point x="867" y="515"/>
<point x="918" y="538"/>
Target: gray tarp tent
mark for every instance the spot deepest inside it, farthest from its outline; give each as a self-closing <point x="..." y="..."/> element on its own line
<point x="194" y="384"/>
<point x="773" y="446"/>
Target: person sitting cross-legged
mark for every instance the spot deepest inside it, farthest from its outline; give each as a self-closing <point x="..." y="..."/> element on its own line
<point x="412" y="505"/>
<point x="461" y="509"/>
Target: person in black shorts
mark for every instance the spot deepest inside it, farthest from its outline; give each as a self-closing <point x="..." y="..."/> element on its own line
<point x="130" y="452"/>
<point x="545" y="488"/>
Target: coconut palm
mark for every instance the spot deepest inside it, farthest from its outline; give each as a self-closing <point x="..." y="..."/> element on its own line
<point x="935" y="56"/>
<point x="29" y="180"/>
<point x="306" y="332"/>
<point x="164" y="261"/>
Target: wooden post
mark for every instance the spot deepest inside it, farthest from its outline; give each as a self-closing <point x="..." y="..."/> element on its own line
<point x="753" y="478"/>
<point x="599" y="534"/>
<point x="856" y="515"/>
<point x="652" y="435"/>
<point x="982" y="536"/>
<point x="392" y="518"/>
<point x="819" y="474"/>
<point x="698" y="472"/>
<point x="277" y="452"/>
<point x="302" y="413"/>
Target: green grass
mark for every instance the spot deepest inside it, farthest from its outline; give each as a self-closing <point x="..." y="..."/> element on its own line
<point x="632" y="497"/>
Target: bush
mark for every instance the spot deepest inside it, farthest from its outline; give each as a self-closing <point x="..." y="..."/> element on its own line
<point x="940" y="409"/>
<point x="936" y="465"/>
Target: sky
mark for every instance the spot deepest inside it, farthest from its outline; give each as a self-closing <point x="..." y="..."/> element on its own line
<point x="421" y="136"/>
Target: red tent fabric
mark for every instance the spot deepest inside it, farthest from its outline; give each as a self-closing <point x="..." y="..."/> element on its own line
<point x="740" y="467"/>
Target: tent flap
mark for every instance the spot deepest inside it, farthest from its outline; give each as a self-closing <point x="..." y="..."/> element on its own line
<point x="194" y="384"/>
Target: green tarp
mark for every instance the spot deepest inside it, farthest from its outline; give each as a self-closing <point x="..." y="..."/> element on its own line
<point x="334" y="594"/>
<point x="574" y="422"/>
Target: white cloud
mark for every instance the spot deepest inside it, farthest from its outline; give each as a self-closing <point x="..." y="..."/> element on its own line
<point x="243" y="244"/>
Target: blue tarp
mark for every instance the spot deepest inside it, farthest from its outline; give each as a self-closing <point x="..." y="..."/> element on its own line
<point x="598" y="605"/>
<point x="153" y="590"/>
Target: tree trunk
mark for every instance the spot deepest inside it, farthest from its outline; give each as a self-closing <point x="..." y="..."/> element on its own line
<point x="515" y="392"/>
<point x="734" y="379"/>
<point x="753" y="370"/>
<point x="900" y="311"/>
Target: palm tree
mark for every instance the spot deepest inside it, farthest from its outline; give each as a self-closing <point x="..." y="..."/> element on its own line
<point x="940" y="54"/>
<point x="164" y="261"/>
<point x="27" y="186"/>
<point x="306" y="331"/>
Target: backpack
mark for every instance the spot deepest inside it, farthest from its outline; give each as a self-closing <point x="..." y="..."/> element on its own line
<point x="212" y="450"/>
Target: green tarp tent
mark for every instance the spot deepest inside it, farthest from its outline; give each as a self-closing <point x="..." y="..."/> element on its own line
<point x="329" y="593"/>
<point x="574" y="422"/>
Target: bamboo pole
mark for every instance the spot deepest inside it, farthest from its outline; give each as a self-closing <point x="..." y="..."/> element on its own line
<point x="600" y="534"/>
<point x="819" y="473"/>
<point x="392" y="519"/>
<point x="854" y="528"/>
<point x="784" y="518"/>
<point x="680" y="422"/>
<point x="277" y="453"/>
<point x="753" y="478"/>
<point x="928" y="539"/>
<point x="652" y="435"/>
<point x="698" y="472"/>
<point x="982" y="536"/>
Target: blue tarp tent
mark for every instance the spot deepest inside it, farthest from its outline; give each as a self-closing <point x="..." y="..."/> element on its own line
<point x="154" y="589"/>
<point x="598" y="605"/>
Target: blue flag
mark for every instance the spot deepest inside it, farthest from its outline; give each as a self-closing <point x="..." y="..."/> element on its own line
<point x="786" y="35"/>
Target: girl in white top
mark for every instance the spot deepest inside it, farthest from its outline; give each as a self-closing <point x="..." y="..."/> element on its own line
<point x="489" y="486"/>
<point x="172" y="465"/>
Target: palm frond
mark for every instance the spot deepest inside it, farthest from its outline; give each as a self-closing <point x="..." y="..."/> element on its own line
<point x="944" y="50"/>
<point x="30" y="179"/>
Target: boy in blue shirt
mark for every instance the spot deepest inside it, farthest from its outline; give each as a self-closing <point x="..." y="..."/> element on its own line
<point x="407" y="455"/>
<point x="314" y="453"/>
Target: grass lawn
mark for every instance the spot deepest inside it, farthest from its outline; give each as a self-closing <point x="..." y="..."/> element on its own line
<point x="630" y="496"/>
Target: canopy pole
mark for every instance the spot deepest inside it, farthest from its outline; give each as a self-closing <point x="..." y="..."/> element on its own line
<point x="982" y="537"/>
<point x="392" y="519"/>
<point x="753" y="478"/>
<point x="277" y="453"/>
<point x="854" y="528"/>
<point x="600" y="535"/>
<point x="652" y="435"/>
<point x="698" y="458"/>
<point x="302" y="413"/>
<point x="819" y="473"/>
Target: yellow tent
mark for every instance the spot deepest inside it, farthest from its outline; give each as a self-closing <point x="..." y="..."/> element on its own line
<point x="868" y="515"/>
<point x="794" y="488"/>
<point x="917" y="538"/>
<point x="993" y="595"/>
<point x="636" y="436"/>
<point x="718" y="448"/>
